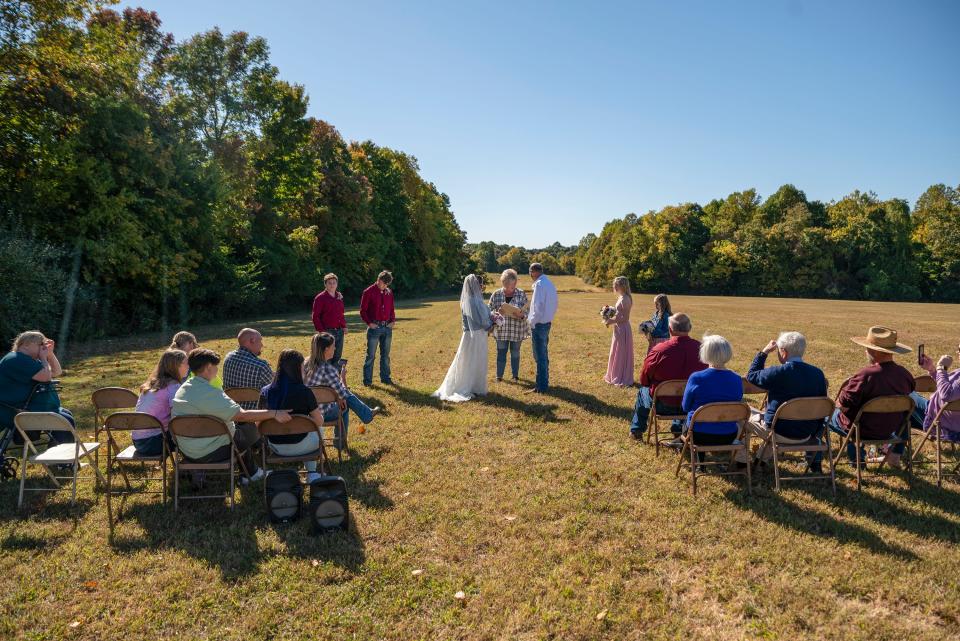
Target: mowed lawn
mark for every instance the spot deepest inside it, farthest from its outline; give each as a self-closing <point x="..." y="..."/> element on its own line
<point x="550" y="520"/>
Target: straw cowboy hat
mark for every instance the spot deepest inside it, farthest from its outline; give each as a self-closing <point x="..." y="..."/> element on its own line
<point x="882" y="339"/>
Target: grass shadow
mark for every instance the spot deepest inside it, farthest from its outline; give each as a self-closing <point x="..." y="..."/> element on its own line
<point x="777" y="509"/>
<point x="415" y="397"/>
<point x="543" y="411"/>
<point x="590" y="403"/>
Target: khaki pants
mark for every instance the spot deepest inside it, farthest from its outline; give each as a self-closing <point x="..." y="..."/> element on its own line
<point x="759" y="430"/>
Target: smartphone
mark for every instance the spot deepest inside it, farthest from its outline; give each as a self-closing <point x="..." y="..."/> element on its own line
<point x="920" y="354"/>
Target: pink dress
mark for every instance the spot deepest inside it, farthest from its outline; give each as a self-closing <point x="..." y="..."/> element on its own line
<point x="620" y="364"/>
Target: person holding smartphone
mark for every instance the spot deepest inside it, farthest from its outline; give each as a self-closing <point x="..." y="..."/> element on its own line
<point x="948" y="390"/>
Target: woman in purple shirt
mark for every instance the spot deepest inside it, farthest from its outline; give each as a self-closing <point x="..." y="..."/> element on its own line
<point x="156" y="399"/>
<point x="948" y="389"/>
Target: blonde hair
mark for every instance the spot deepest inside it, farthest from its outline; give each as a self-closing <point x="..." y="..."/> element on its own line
<point x="180" y="339"/>
<point x="624" y="284"/>
<point x="166" y="372"/>
<point x="508" y="274"/>
<point x="28" y="338"/>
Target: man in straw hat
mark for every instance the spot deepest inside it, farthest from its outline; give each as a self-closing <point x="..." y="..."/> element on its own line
<point x="882" y="377"/>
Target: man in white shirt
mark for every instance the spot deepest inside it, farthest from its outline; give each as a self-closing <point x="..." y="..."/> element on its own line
<point x="543" y="308"/>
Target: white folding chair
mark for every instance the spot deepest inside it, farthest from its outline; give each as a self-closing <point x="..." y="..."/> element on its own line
<point x="77" y="454"/>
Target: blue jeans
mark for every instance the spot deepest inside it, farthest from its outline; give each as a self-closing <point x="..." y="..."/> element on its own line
<point x="337" y="345"/>
<point x="641" y="412"/>
<point x="379" y="336"/>
<point x="540" y="339"/>
<point x="363" y="412"/>
<point x="834" y="425"/>
<point x="514" y="347"/>
<point x="919" y="412"/>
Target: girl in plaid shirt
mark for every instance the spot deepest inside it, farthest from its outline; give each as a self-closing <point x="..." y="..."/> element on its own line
<point x="318" y="370"/>
<point x="514" y="330"/>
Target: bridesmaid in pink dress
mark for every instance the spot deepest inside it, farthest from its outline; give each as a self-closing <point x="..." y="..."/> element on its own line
<point x="620" y="365"/>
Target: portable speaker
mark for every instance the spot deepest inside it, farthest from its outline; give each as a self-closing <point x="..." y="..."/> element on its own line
<point x="284" y="496"/>
<point x="329" y="509"/>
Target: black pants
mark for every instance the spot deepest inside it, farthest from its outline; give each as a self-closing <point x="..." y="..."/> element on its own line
<point x="245" y="436"/>
<point x="706" y="438"/>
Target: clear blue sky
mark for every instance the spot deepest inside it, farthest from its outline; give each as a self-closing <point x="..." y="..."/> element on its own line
<point x="542" y="121"/>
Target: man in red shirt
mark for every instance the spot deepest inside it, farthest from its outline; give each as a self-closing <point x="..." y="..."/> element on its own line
<point x="328" y="314"/>
<point x="882" y="377"/>
<point x="376" y="310"/>
<point x="677" y="358"/>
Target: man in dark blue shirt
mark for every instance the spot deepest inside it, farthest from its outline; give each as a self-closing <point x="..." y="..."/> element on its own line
<point x="793" y="378"/>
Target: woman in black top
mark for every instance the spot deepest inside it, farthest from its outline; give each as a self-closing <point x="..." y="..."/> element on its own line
<point x="288" y="392"/>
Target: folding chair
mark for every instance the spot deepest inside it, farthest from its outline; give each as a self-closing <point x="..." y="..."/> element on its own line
<point x="808" y="408"/>
<point x="243" y="394"/>
<point x="104" y="400"/>
<point x="325" y="395"/>
<point x="203" y="427"/>
<point x="72" y="454"/>
<point x="296" y="425"/>
<point x="924" y="384"/>
<point x="880" y="405"/>
<point x="935" y="436"/>
<point x="714" y="413"/>
<point x="673" y="387"/>
<point x="8" y="463"/>
<point x="119" y="460"/>
<point x="749" y="389"/>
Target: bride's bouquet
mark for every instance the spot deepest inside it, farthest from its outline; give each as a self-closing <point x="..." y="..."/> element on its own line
<point x="497" y="319"/>
<point x="607" y="312"/>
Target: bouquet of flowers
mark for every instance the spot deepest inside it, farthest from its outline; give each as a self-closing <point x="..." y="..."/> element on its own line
<point x="497" y="319"/>
<point x="646" y="327"/>
<point x="607" y="312"/>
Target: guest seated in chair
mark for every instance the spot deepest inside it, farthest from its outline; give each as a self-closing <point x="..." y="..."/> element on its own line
<point x="156" y="399"/>
<point x="243" y="367"/>
<point x="882" y="377"/>
<point x="25" y="372"/>
<point x="792" y="378"/>
<point x="716" y="384"/>
<point x="288" y="392"/>
<point x="198" y="397"/>
<point x="319" y="371"/>
<point x="676" y="358"/>
<point x="948" y="390"/>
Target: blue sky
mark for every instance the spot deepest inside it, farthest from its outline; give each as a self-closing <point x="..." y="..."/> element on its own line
<point x="542" y="121"/>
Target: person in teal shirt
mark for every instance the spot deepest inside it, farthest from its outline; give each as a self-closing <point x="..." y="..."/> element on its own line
<point x="31" y="363"/>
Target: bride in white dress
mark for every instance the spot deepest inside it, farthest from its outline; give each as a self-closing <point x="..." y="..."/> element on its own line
<point x="467" y="375"/>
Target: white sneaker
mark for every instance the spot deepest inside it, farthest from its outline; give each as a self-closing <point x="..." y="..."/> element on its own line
<point x="313" y="476"/>
<point x="258" y="476"/>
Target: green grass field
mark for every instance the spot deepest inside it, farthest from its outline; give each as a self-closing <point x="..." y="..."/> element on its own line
<point x="552" y="522"/>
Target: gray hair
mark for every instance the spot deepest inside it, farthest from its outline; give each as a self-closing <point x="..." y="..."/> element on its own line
<point x="715" y="350"/>
<point x="508" y="274"/>
<point x="679" y="323"/>
<point x="793" y="343"/>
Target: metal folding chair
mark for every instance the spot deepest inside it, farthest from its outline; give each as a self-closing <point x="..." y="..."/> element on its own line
<point x="738" y="411"/>
<point x="810" y="408"/>
<point x="77" y="454"/>
<point x="296" y="425"/>
<point x="673" y="387"/>
<point x="105" y="400"/>
<point x="121" y="460"/>
<point x="896" y="404"/>
<point x="243" y="395"/>
<point x="338" y="440"/>
<point x="203" y="427"/>
<point x="935" y="436"/>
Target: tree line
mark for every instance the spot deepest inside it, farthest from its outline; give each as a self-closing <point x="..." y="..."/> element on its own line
<point x="146" y="182"/>
<point x="491" y="257"/>
<point x="858" y="247"/>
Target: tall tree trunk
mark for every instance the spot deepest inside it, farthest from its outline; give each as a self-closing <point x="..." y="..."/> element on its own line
<point x="69" y="299"/>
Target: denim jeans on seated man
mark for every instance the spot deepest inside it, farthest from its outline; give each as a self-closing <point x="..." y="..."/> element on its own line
<point x="361" y="409"/>
<point x="641" y="412"/>
<point x="834" y="425"/>
<point x="380" y="336"/>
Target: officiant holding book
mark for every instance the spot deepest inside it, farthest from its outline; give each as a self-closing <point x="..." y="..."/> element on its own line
<point x="511" y="302"/>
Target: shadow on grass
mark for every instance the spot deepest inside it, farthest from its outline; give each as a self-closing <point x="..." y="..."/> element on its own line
<point x="591" y="403"/>
<point x="543" y="411"/>
<point x="207" y="530"/>
<point x="415" y="397"/>
<point x="777" y="509"/>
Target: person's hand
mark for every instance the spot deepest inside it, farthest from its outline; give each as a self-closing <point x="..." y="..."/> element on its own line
<point x="344" y="330"/>
<point x="389" y="325"/>
<point x="283" y="416"/>
<point x="926" y="363"/>
<point x="372" y="325"/>
<point x="770" y="348"/>
<point x="944" y="362"/>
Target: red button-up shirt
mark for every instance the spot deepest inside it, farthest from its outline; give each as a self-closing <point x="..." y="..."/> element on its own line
<point x="377" y="306"/>
<point x="328" y="312"/>
<point x="676" y="358"/>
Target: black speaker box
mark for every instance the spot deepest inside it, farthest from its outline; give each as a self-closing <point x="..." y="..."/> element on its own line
<point x="284" y="496"/>
<point x="329" y="508"/>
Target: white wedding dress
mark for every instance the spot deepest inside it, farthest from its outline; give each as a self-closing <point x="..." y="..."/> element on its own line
<point x="467" y="376"/>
